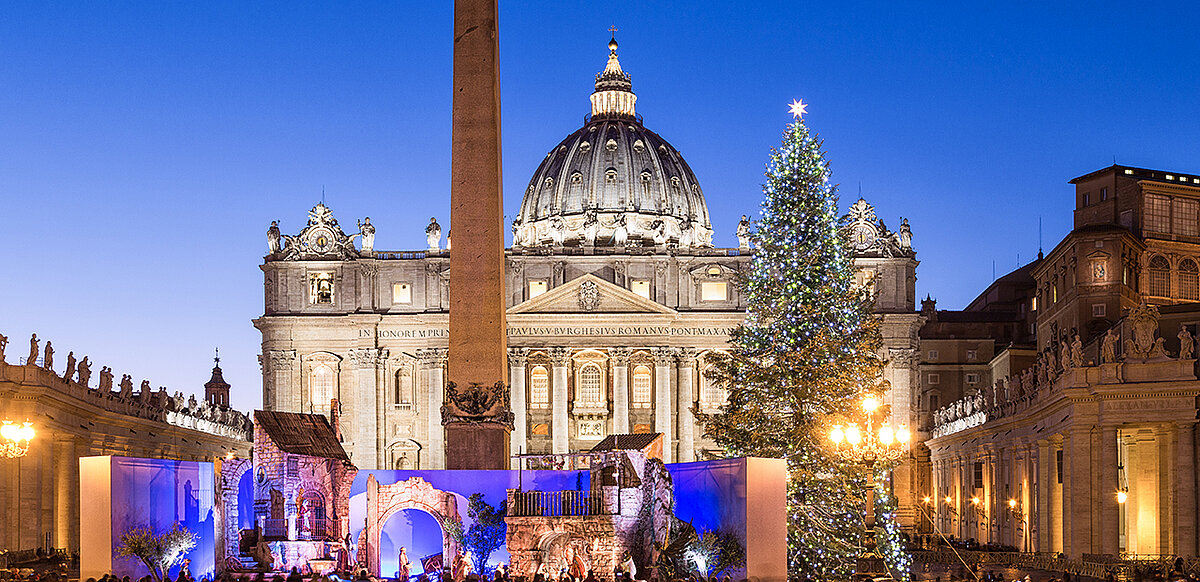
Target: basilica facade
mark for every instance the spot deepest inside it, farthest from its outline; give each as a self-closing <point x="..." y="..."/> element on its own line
<point x="615" y="295"/>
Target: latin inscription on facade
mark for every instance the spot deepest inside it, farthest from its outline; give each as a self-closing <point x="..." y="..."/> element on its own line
<point x="574" y="331"/>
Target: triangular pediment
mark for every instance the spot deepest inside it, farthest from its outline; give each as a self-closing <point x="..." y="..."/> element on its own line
<point x="589" y="294"/>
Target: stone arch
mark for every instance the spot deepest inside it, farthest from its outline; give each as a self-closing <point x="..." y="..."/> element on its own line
<point x="232" y="471"/>
<point x="384" y="501"/>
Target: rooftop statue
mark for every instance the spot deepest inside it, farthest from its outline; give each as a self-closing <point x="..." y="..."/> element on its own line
<point x="48" y="359"/>
<point x="1108" y="348"/>
<point x="1187" y="344"/>
<point x="273" y="238"/>
<point x="367" y="230"/>
<point x="70" y="367"/>
<point x="3" y="344"/>
<point x="433" y="234"/>
<point x="743" y="233"/>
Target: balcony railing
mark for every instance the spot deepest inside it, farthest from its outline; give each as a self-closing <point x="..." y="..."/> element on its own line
<point x="317" y="529"/>
<point x="557" y="504"/>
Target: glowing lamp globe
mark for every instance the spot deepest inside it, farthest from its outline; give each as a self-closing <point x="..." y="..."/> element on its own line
<point x="870" y="403"/>
<point x="1122" y="496"/>
<point x="903" y="435"/>
<point x="886" y="435"/>
<point x="837" y="435"/>
<point x="852" y="435"/>
<point x="1012" y="503"/>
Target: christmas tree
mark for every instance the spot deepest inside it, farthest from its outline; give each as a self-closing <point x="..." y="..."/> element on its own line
<point x="805" y="355"/>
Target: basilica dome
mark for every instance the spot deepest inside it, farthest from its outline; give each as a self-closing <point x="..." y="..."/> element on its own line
<point x="613" y="182"/>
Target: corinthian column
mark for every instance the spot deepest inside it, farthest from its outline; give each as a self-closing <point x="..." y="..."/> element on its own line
<point x="366" y="362"/>
<point x="620" y="392"/>
<point x="516" y="380"/>
<point x="559" y="424"/>
<point x="687" y="399"/>
<point x="433" y="362"/>
<point x="664" y="360"/>
<point x="283" y="392"/>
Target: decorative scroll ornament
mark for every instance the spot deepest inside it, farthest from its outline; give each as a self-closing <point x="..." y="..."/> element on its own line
<point x="321" y="239"/>
<point x="477" y="404"/>
<point x="589" y="296"/>
<point x="1143" y="319"/>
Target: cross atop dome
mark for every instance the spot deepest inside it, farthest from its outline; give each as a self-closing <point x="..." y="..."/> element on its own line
<point x="614" y="91"/>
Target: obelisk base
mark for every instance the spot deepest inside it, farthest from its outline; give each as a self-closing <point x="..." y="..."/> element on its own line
<point x="477" y="445"/>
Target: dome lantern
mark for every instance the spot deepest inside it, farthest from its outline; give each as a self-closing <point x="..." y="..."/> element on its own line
<point x="613" y="96"/>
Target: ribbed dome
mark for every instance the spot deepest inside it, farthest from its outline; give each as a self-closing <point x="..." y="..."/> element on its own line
<point x="613" y="182"/>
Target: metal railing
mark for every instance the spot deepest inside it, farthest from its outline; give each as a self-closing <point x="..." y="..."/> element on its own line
<point x="557" y="504"/>
<point x="316" y="529"/>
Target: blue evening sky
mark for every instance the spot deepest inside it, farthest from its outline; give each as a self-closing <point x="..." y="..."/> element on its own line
<point x="146" y="146"/>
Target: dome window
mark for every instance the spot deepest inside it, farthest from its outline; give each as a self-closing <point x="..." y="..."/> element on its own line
<point x="576" y="178"/>
<point x="675" y="182"/>
<point x="585" y="147"/>
<point x="645" y="176"/>
<point x="638" y="146"/>
<point x="611" y="145"/>
<point x="610" y="176"/>
<point x="662" y="149"/>
<point x="549" y="183"/>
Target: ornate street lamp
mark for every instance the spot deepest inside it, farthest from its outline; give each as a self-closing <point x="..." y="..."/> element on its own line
<point x="869" y="447"/>
<point x="14" y="439"/>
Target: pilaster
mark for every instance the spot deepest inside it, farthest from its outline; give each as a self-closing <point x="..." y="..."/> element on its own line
<point x="687" y="399"/>
<point x="284" y="391"/>
<point x="433" y="363"/>
<point x="1184" y="478"/>
<point x="620" y="394"/>
<point x="516" y="380"/>
<point x="664" y="360"/>
<point x="366" y="362"/>
<point x="560" y="359"/>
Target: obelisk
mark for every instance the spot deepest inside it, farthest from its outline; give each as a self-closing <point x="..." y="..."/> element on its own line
<point x="476" y="411"/>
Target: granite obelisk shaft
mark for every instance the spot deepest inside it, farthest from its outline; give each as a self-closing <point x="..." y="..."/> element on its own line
<point x="478" y="354"/>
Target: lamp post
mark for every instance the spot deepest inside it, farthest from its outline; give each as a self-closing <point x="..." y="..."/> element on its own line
<point x="14" y="439"/>
<point x="868" y="447"/>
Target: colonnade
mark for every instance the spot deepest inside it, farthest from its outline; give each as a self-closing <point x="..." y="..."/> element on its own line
<point x="1085" y="489"/>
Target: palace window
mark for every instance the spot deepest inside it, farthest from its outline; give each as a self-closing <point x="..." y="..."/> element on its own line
<point x="641" y="387"/>
<point x="320" y="385"/>
<point x="933" y="402"/>
<point x="537" y="288"/>
<point x="713" y="291"/>
<point x="935" y="379"/>
<point x="320" y="288"/>
<point x="1187" y="217"/>
<point x="641" y="287"/>
<point x="539" y="388"/>
<point x="401" y="293"/>
<point x="403" y="395"/>
<point x="1099" y="310"/>
<point x="933" y="354"/>
<point x="1160" y="277"/>
<point x="589" y="384"/>
<point x="972" y="354"/>
<point x="1157" y="213"/>
<point x="972" y="378"/>
<point x="1189" y="280"/>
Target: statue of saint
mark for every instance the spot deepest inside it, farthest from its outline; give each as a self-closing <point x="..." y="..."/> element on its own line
<point x="449" y="233"/>
<point x="743" y="233"/>
<point x="126" y="386"/>
<point x="33" y="351"/>
<point x="1108" y="348"/>
<point x="3" y="344"/>
<point x="1187" y="344"/>
<point x="1076" y="352"/>
<point x="558" y="230"/>
<point x="905" y="235"/>
<point x="48" y="359"/>
<point x="70" y="367"/>
<point x="367" y="230"/>
<point x="433" y="234"/>
<point x="687" y="232"/>
<point x="85" y="371"/>
<point x="590" y="226"/>
<point x="106" y="379"/>
<point x="1064" y="354"/>
<point x="273" y="237"/>
<point x="620" y="231"/>
<point x="516" y="235"/>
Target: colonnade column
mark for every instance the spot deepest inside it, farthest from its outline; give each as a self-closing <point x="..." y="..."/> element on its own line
<point x="1077" y="493"/>
<point x="1044" y="476"/>
<point x="620" y="396"/>
<point x="687" y="399"/>
<point x="1185" y="489"/>
<point x="516" y="381"/>
<point x="664" y="359"/>
<point x="559" y="424"/>
<point x="1108" y="485"/>
<point x="433" y="360"/>
<point x="366" y="363"/>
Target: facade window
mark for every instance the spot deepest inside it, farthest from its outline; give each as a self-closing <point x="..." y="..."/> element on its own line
<point x="1099" y="310"/>
<point x="1189" y="280"/>
<point x="1157" y="213"/>
<point x="971" y="355"/>
<point x="1033" y="306"/>
<point x="320" y="385"/>
<point x="589" y="384"/>
<point x="713" y="291"/>
<point x="1104" y="194"/>
<point x="539" y="388"/>
<point x="401" y="293"/>
<point x="537" y="288"/>
<point x="933" y="402"/>
<point x="641" y="287"/>
<point x="712" y="393"/>
<point x="320" y="288"/>
<point x="935" y="379"/>
<point x="1187" y="217"/>
<point x="403" y="390"/>
<point x="978" y="474"/>
<point x="1160" y="277"/>
<point x="933" y="354"/>
<point x="641" y="387"/>
<point x="972" y="378"/>
<point x="1086" y="196"/>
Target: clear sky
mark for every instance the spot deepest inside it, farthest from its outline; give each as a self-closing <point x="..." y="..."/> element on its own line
<point x="146" y="146"/>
